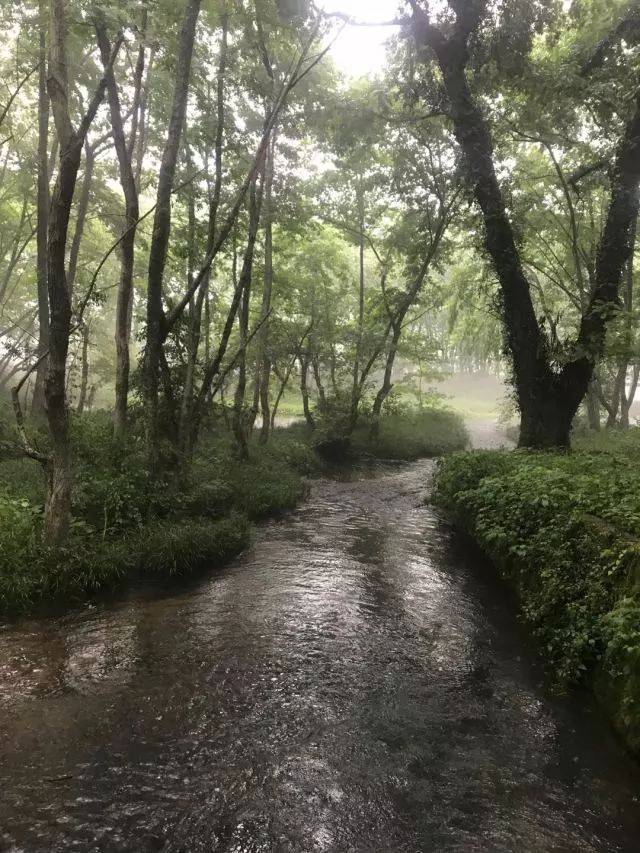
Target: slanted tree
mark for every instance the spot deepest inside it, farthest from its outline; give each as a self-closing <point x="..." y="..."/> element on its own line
<point x="548" y="399"/>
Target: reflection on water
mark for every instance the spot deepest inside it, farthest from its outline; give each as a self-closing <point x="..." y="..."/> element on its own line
<point x="353" y="682"/>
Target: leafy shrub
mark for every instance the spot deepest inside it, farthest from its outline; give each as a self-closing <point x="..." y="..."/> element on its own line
<point x="264" y="486"/>
<point x="420" y="433"/>
<point x="19" y="528"/>
<point x="209" y="499"/>
<point x="564" y="529"/>
<point x="126" y="524"/>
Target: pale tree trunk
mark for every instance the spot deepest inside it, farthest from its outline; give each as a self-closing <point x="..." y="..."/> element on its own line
<point x="284" y="378"/>
<point x="315" y="350"/>
<point x="239" y="421"/>
<point x="84" y="375"/>
<point x="138" y="74"/>
<point x="356" y="389"/>
<point x="37" y="404"/>
<point x="194" y="323"/>
<point x="124" y="300"/>
<point x="317" y="378"/>
<point x="212" y="369"/>
<point x="626" y="400"/>
<point x="305" y="360"/>
<point x="397" y="315"/>
<point x="593" y="407"/>
<point x="140" y="145"/>
<point x="387" y="382"/>
<point x="81" y="217"/>
<point x="629" y="398"/>
<point x="333" y="367"/>
<point x="200" y="299"/>
<point x="613" y="409"/>
<point x="264" y="358"/>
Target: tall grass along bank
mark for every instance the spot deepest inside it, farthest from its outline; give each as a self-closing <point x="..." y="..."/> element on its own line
<point x="128" y="526"/>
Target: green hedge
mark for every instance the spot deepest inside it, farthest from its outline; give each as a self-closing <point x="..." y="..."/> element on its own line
<point x="565" y="530"/>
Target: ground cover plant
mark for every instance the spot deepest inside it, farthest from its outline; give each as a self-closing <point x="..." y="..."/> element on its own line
<point x="565" y="530"/>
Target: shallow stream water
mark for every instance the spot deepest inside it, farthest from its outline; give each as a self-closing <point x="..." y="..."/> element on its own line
<point x="356" y="681"/>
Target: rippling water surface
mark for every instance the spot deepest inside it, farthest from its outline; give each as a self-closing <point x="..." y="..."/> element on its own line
<point x="355" y="682"/>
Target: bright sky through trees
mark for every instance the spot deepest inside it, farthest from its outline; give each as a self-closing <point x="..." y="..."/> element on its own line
<point x="360" y="50"/>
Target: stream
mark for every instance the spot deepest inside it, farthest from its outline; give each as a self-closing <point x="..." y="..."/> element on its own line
<point x="356" y="681"/>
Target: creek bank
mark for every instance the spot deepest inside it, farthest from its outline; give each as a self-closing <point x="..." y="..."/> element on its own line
<point x="564" y="530"/>
<point x="355" y="680"/>
<point x="127" y="527"/>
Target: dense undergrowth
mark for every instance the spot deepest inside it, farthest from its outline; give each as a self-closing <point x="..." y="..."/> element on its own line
<point x="127" y="525"/>
<point x="565" y="530"/>
<point x="412" y="435"/>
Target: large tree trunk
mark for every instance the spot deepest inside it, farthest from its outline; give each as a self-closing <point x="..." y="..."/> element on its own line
<point x="132" y="212"/>
<point x="156" y="320"/>
<point x="547" y="400"/>
<point x="57" y="511"/>
<point x="547" y="425"/>
<point x="534" y="381"/>
<point x="37" y="404"/>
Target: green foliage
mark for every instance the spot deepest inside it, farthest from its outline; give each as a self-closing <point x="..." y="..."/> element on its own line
<point x="565" y="530"/>
<point x="19" y="524"/>
<point x="412" y="435"/>
<point x="621" y="631"/>
<point x="126" y="525"/>
<point x="85" y="567"/>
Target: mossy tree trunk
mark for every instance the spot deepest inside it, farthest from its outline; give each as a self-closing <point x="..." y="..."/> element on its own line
<point x="548" y="399"/>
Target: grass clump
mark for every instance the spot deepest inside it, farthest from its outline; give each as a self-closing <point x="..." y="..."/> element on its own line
<point x="404" y="432"/>
<point x="413" y="435"/>
<point x="84" y="567"/>
<point x="565" y="530"/>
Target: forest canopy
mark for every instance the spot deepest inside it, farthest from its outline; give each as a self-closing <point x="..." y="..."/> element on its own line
<point x="203" y="218"/>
